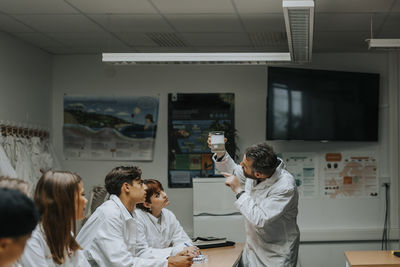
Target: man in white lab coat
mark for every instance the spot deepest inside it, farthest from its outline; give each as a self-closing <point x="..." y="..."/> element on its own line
<point x="109" y="236"/>
<point x="267" y="197"/>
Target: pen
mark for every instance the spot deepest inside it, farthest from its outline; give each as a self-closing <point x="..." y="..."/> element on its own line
<point x="186" y="244"/>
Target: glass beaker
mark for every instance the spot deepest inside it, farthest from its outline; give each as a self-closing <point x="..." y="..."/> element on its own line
<point x="217" y="141"/>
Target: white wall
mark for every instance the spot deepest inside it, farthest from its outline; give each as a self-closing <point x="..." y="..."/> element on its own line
<point x="87" y="75"/>
<point x="25" y="83"/>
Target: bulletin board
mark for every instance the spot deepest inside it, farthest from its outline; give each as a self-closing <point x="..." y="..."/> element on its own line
<point x="190" y="118"/>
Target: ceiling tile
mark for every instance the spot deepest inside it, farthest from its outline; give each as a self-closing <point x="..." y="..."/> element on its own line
<point x="346" y="22"/>
<point x="59" y="23"/>
<point x="8" y="24"/>
<point x="217" y="39"/>
<point x="114" y="6"/>
<point x="259" y="6"/>
<point x="101" y="49"/>
<point x="89" y="51"/>
<point x="396" y="6"/>
<point x="39" y="40"/>
<point x="240" y="49"/>
<point x="264" y="22"/>
<point x="352" y="6"/>
<point x="136" y="39"/>
<point x="340" y="41"/>
<point x="391" y="27"/>
<point x="88" y="40"/>
<point x="147" y="49"/>
<point x="205" y="23"/>
<point x="133" y="23"/>
<point x="194" y="6"/>
<point x="36" y="7"/>
<point x="60" y="50"/>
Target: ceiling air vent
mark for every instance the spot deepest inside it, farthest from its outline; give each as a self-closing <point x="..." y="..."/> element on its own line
<point x="299" y="21"/>
<point x="165" y="39"/>
<point x="263" y="39"/>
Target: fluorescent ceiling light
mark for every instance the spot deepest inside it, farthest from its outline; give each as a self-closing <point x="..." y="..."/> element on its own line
<point x="299" y="21"/>
<point x="383" y="44"/>
<point x="195" y="58"/>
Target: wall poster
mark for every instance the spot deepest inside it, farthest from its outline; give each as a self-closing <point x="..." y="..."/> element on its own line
<point x="110" y="128"/>
<point x="191" y="117"/>
<point x="350" y="175"/>
<point x="304" y="168"/>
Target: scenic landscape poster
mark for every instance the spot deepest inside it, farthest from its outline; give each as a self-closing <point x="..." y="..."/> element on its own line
<point x="110" y="128"/>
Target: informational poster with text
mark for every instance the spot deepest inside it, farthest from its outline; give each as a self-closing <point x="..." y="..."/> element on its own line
<point x="303" y="166"/>
<point x="350" y="175"/>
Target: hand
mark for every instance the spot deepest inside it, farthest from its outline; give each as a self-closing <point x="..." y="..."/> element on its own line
<point x="219" y="154"/>
<point x="233" y="182"/>
<point x="180" y="261"/>
<point x="190" y="251"/>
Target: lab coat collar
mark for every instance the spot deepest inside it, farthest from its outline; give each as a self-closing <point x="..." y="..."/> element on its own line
<point x="154" y="219"/>
<point x="158" y="222"/>
<point x="127" y="215"/>
<point x="270" y="181"/>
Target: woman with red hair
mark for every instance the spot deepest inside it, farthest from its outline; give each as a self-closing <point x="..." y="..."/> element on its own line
<point x="159" y="232"/>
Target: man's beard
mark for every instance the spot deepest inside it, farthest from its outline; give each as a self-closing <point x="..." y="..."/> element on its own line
<point x="250" y="176"/>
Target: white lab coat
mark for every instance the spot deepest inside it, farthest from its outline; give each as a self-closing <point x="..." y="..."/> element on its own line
<point x="270" y="211"/>
<point x="159" y="240"/>
<point x="109" y="237"/>
<point x="37" y="253"/>
<point x="5" y="165"/>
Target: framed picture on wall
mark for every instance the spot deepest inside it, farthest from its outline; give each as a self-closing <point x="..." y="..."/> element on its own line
<point x="110" y="128"/>
<point x="191" y="117"/>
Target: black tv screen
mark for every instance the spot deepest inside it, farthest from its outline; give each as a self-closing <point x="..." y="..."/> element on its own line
<point x="305" y="104"/>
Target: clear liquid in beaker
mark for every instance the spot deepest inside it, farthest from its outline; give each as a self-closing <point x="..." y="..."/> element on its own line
<point x="217" y="141"/>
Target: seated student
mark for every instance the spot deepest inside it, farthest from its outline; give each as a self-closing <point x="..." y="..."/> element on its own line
<point x="159" y="232"/>
<point x="109" y="235"/>
<point x="14" y="183"/>
<point x="60" y="199"/>
<point x="18" y="219"/>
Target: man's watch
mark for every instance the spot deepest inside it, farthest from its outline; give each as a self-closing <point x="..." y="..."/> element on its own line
<point x="239" y="194"/>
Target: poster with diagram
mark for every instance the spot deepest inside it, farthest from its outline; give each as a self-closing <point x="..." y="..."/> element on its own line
<point x="110" y="128"/>
<point x="304" y="168"/>
<point x="350" y="175"/>
<point x="190" y="118"/>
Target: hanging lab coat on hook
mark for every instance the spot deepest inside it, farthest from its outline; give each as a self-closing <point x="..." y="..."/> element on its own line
<point x="270" y="211"/>
<point x="5" y="165"/>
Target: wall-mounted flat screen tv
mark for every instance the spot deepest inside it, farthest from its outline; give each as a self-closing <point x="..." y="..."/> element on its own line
<point x="306" y="104"/>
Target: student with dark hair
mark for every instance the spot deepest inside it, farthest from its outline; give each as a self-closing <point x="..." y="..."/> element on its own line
<point x="159" y="232"/>
<point x="18" y="219"/>
<point x="267" y="198"/>
<point x="60" y="199"/>
<point x="109" y="235"/>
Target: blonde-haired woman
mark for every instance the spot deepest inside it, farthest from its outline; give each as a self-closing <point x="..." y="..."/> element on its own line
<point x="60" y="199"/>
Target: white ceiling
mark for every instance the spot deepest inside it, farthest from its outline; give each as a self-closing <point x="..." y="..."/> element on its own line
<point x="95" y="26"/>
